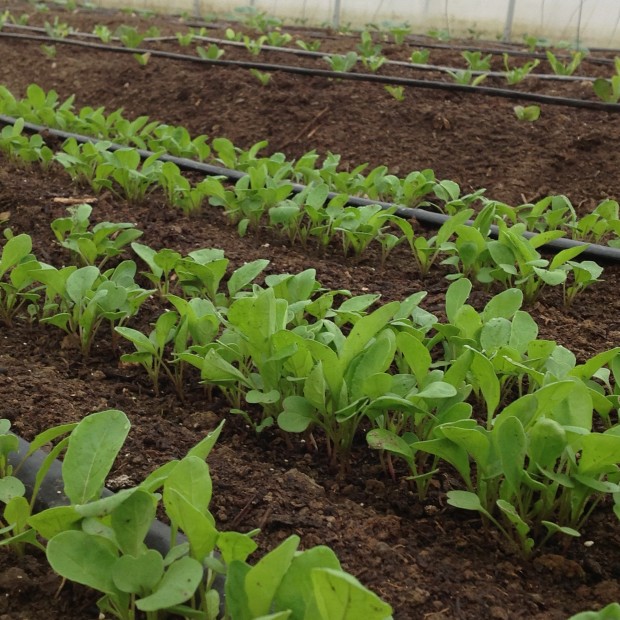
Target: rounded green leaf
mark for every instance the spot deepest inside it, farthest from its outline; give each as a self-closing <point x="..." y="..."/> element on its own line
<point x="83" y="558"/>
<point x="11" y="487"/>
<point x="177" y="585"/>
<point x="138" y="575"/>
<point x="93" y="446"/>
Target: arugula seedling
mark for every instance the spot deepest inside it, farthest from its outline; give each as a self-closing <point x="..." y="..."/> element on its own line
<point x="476" y="61"/>
<point x="528" y="113"/>
<point x="398" y="92"/>
<point x="515" y="75"/>
<point x="162" y="265"/>
<point x="565" y="68"/>
<point x="308" y="46"/>
<point x="103" y="32"/>
<point x="18" y="268"/>
<point x="262" y="76"/>
<point x="466" y="77"/>
<point x="608" y="90"/>
<point x="80" y="300"/>
<point x="420" y="57"/>
<point x="104" y="241"/>
<point x="341" y="63"/>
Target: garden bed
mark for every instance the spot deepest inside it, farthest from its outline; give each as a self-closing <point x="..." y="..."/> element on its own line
<point x="427" y="560"/>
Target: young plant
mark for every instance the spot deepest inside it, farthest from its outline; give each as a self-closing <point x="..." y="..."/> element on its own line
<point x="57" y="29"/>
<point x="515" y="75"/>
<point x="530" y="483"/>
<point x="607" y="90"/>
<point x="185" y="39"/>
<point x="426" y="251"/>
<point x="131" y="38"/>
<point x="398" y="92"/>
<point x="308" y="46"/>
<point x="213" y="52"/>
<point x="466" y="77"/>
<point x="104" y="241"/>
<point x="420" y="57"/>
<point x="275" y="38"/>
<point x="262" y="76"/>
<point x="584" y="274"/>
<point x="80" y="300"/>
<point x="476" y="61"/>
<point x="125" y="169"/>
<point x="359" y="226"/>
<point x="343" y="382"/>
<point x="162" y="265"/>
<point x="530" y="113"/>
<point x="134" y="579"/>
<point x="49" y="51"/>
<point x="254" y="46"/>
<point x="171" y="327"/>
<point x="399" y="33"/>
<point x="564" y="68"/>
<point x="103" y="32"/>
<point x="142" y="59"/>
<point x="18" y="268"/>
<point x="342" y="63"/>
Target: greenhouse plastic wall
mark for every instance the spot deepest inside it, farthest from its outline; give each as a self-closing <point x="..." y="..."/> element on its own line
<point x="587" y="22"/>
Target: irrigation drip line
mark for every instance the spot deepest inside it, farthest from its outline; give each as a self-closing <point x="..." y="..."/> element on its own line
<point x="523" y="53"/>
<point x="395" y="63"/>
<point x="358" y="77"/>
<point x="312" y="54"/>
<point x="425" y="217"/>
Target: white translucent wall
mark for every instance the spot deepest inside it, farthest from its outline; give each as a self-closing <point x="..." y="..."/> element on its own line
<point x="591" y="22"/>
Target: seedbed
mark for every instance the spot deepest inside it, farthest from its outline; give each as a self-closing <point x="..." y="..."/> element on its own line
<point x="426" y="558"/>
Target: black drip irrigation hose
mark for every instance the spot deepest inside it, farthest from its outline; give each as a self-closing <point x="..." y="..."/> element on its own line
<point x="319" y="55"/>
<point x="521" y="53"/>
<point x="359" y="77"/>
<point x="423" y="216"/>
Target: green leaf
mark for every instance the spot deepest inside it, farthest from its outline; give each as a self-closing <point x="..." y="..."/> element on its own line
<point x="191" y="479"/>
<point x="600" y="453"/>
<point x="365" y="330"/>
<point x="15" y="249"/>
<point x="547" y="441"/>
<point x="204" y="447"/>
<point x="465" y="500"/>
<point x="263" y="580"/>
<point x="296" y="591"/>
<point x="93" y="446"/>
<point x="488" y="382"/>
<point x="503" y="305"/>
<point x="83" y="558"/>
<point x="48" y="523"/>
<point x="456" y="296"/>
<point x="81" y="282"/>
<point x="138" y="575"/>
<point x="416" y="355"/>
<point x="235" y="546"/>
<point x="383" y="439"/>
<point x="132" y="520"/>
<point x="298" y="414"/>
<point x="11" y="487"/>
<point x="340" y="595"/>
<point x="177" y="585"/>
<point x="512" y="448"/>
<point x="244" y="275"/>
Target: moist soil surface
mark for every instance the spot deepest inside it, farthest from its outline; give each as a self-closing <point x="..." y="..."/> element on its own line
<point x="426" y="559"/>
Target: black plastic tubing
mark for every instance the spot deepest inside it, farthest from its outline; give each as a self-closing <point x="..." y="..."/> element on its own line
<point x="359" y="77"/>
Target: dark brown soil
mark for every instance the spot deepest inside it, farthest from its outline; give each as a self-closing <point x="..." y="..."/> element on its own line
<point x="426" y="559"/>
